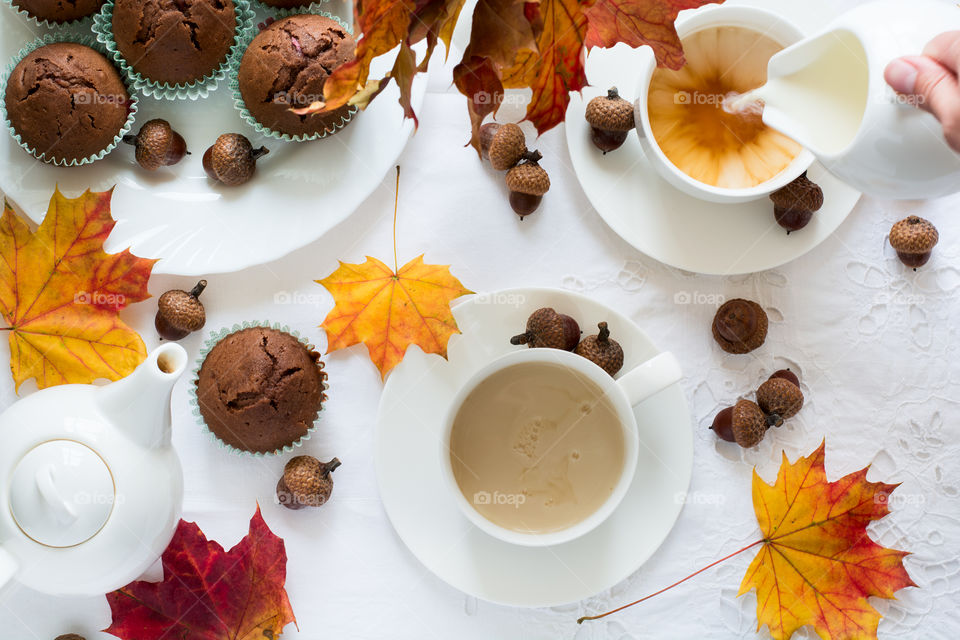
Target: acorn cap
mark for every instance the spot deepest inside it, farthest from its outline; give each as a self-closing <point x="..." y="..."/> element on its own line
<point x="602" y="350"/>
<point x="233" y="159"/>
<point x="914" y="235"/>
<point x="529" y="178"/>
<point x="182" y="310"/>
<point x="802" y="195"/>
<point x="306" y="482"/>
<point x="740" y="326"/>
<point x="749" y="423"/>
<point x="780" y="399"/>
<point x="507" y="147"/>
<point x="610" y="112"/>
<point x="70" y="636"/>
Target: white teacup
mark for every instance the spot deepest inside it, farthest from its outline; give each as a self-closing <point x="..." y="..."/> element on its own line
<point x="623" y="393"/>
<point x="711" y="17"/>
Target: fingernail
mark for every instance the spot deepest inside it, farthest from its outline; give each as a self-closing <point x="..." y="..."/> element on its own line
<point x="902" y="76"/>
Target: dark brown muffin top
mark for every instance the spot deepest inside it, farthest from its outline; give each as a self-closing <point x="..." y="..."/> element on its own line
<point x="285" y="67"/>
<point x="286" y="4"/>
<point x="174" y="41"/>
<point x="260" y="389"/>
<point x="67" y="101"/>
<point x="59" y="10"/>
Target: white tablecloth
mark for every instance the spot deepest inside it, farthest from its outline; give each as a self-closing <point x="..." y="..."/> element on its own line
<point x="874" y="343"/>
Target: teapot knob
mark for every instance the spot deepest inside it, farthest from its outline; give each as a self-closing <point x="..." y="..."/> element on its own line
<point x="63" y="509"/>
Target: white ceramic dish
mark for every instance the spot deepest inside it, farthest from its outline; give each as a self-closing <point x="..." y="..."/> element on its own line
<point x="299" y="193"/>
<point x="427" y="519"/>
<point x="671" y="226"/>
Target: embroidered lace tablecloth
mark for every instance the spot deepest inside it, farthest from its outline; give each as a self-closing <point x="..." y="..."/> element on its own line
<point x="875" y="344"/>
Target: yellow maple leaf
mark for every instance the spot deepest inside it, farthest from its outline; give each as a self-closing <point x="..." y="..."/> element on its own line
<point x="60" y="294"/>
<point x="389" y="311"/>
<point x="817" y="565"/>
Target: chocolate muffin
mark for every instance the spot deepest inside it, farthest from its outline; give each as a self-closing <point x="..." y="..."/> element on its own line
<point x="58" y="11"/>
<point x="66" y="101"/>
<point x="286" y="4"/>
<point x="285" y="68"/>
<point x="174" y="41"/>
<point x="260" y="389"/>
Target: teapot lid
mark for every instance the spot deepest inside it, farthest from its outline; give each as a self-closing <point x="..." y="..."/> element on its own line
<point x="61" y="493"/>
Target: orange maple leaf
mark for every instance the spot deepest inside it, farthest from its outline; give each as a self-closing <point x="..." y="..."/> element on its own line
<point x="638" y="23"/>
<point x="389" y="311"/>
<point x="817" y="565"/>
<point x="60" y="294"/>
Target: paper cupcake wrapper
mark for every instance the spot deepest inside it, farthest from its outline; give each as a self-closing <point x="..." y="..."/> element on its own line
<point x="241" y="106"/>
<point x="88" y="41"/>
<point x="276" y="10"/>
<point x="103" y="27"/>
<point x="47" y="24"/>
<point x="210" y="343"/>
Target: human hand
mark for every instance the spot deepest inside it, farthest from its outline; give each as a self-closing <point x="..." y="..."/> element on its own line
<point x="931" y="80"/>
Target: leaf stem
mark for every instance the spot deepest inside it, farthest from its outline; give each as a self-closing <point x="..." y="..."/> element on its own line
<point x="396" y="202"/>
<point x="656" y="593"/>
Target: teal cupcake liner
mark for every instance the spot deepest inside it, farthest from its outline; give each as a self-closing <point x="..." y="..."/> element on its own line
<point x="47" y="24"/>
<point x="212" y="339"/>
<point x="103" y="28"/>
<point x="276" y="10"/>
<point x="241" y="106"/>
<point x="88" y="41"/>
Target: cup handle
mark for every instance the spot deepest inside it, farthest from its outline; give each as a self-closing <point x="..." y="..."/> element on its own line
<point x="8" y="567"/>
<point x="649" y="378"/>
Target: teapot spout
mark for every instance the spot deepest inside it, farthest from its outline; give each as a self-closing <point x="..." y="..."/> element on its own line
<point x="140" y="403"/>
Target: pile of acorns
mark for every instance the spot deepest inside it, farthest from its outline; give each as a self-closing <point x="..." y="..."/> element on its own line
<point x="231" y="160"/>
<point x="505" y="146"/>
<point x="746" y="422"/>
<point x="548" y="329"/>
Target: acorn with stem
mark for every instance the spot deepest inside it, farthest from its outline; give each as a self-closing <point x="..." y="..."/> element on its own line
<point x="157" y="145"/>
<point x="180" y="313"/>
<point x="232" y="160"/>
<point x="610" y="118"/>
<point x="527" y="182"/>
<point x="503" y="145"/>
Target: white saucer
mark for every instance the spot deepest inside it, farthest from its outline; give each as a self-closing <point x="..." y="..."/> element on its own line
<point x="300" y="191"/>
<point x="675" y="228"/>
<point x="429" y="522"/>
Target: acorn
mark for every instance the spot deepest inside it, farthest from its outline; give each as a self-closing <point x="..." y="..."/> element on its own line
<point x="913" y="239"/>
<point x="70" y="636"/>
<point x="610" y="118"/>
<point x="740" y="326"/>
<point x="527" y="181"/>
<point x="786" y="374"/>
<point x="779" y="399"/>
<point x="306" y="482"/>
<point x="601" y="350"/>
<point x="502" y="144"/>
<point x="232" y="160"/>
<point x="748" y="423"/>
<point x="547" y="328"/>
<point x="157" y="145"/>
<point x="180" y="313"/>
<point x="723" y="424"/>
<point x="795" y="204"/>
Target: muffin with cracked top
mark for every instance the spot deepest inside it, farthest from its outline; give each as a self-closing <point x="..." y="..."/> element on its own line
<point x="66" y="102"/>
<point x="174" y="42"/>
<point x="259" y="389"/>
<point x="285" y="67"/>
<point x="58" y="11"/>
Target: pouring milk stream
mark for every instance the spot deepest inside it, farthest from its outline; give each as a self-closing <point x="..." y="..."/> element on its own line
<point x="828" y="93"/>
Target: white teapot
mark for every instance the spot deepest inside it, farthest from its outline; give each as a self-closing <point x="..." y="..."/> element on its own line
<point x="828" y="93"/>
<point x="90" y="486"/>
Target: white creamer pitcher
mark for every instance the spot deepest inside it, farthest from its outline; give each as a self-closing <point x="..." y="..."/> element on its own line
<point x="90" y="486"/>
<point x="828" y="93"/>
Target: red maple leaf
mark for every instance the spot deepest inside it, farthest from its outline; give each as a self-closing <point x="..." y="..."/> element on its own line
<point x="208" y="593"/>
